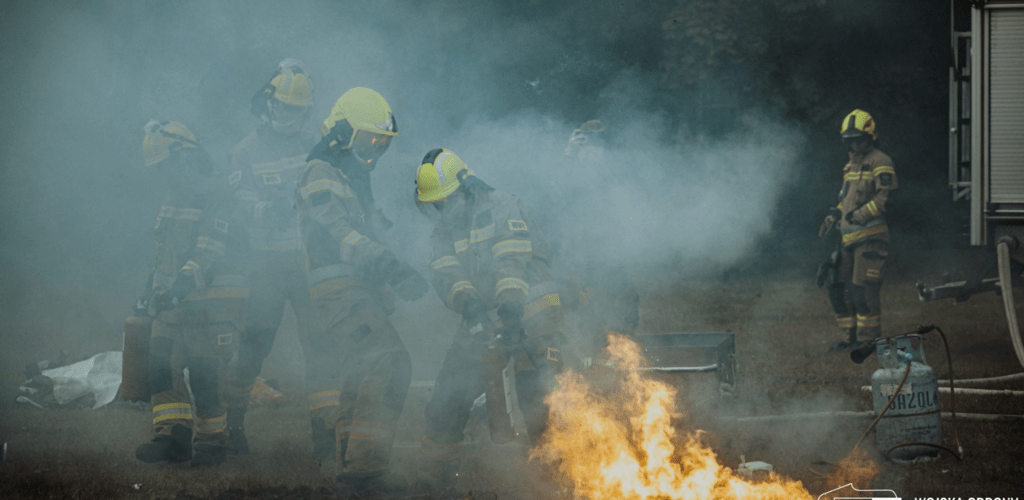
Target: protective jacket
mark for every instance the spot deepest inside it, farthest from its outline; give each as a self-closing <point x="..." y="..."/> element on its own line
<point x="265" y="169"/>
<point x="200" y="232"/>
<point x="496" y="255"/>
<point x="867" y="180"/>
<point x="342" y="236"/>
<point x="342" y="229"/>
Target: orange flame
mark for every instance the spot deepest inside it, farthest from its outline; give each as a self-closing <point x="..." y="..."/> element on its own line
<point x="622" y="445"/>
<point x="856" y="468"/>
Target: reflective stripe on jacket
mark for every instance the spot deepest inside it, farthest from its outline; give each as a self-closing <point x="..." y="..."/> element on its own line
<point x="867" y="180"/>
<point x="496" y="256"/>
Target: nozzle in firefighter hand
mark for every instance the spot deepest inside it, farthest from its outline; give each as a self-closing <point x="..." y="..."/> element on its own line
<point x="829" y="224"/>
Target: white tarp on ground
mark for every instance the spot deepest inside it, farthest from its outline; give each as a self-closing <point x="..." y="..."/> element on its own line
<point x="100" y="375"/>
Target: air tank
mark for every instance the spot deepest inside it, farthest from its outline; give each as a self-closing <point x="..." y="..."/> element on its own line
<point x="914" y="414"/>
<point x="135" y="364"/>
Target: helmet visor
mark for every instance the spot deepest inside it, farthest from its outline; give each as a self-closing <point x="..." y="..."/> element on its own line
<point x="368" y="146"/>
<point x="287" y="118"/>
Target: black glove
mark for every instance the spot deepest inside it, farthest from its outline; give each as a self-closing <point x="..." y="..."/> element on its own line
<point x="403" y="279"/>
<point x="511" y="313"/>
<point x="474" y="312"/>
<point x="849" y="217"/>
<point x="164" y="300"/>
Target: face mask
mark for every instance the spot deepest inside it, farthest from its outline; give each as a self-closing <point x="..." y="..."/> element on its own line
<point x="285" y="118"/>
<point x="450" y="212"/>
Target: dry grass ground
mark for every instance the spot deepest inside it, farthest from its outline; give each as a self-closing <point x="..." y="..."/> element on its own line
<point x="782" y="328"/>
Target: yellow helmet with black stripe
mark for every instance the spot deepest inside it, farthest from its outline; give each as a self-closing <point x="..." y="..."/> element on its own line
<point x="858" y="124"/>
<point x="440" y="173"/>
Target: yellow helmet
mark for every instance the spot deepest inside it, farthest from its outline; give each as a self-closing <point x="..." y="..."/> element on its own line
<point x="440" y="173"/>
<point x="162" y="139"/>
<point x="291" y="84"/>
<point x="286" y="98"/>
<point x="368" y="116"/>
<point x="856" y="124"/>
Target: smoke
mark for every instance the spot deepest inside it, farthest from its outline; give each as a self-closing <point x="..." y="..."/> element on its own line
<point x="504" y="86"/>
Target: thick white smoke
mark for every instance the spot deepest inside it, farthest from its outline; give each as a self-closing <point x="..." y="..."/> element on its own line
<point x="81" y="80"/>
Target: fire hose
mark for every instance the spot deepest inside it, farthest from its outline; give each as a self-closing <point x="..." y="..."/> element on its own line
<point x="1006" y="286"/>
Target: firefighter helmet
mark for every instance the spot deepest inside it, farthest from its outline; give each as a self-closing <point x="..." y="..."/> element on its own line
<point x="286" y="98"/>
<point x="291" y="84"/>
<point x="440" y="173"/>
<point x="588" y="135"/>
<point x="362" y="121"/>
<point x="165" y="138"/>
<point x="858" y="124"/>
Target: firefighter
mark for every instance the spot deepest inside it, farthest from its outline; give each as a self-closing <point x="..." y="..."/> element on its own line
<point x="199" y="292"/>
<point x="353" y="277"/>
<point x="606" y="300"/>
<point x="265" y="169"/>
<point x="868" y="178"/>
<point x="492" y="265"/>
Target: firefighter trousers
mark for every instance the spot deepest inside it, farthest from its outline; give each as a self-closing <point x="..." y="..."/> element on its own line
<point x="278" y="278"/>
<point x="538" y="358"/>
<point x="202" y="336"/>
<point x="364" y="398"/>
<point x="856" y="294"/>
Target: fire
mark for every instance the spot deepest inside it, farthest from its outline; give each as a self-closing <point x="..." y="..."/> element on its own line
<point x="622" y="445"/>
<point x="855" y="468"/>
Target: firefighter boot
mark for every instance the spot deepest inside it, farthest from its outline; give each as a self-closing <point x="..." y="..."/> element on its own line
<point x="848" y="342"/>
<point x="208" y="455"/>
<point x="173" y="447"/>
<point x="237" y="442"/>
<point x="323" y="440"/>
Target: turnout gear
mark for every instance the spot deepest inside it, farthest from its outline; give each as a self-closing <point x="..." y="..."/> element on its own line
<point x="868" y="179"/>
<point x="346" y="255"/>
<point x="265" y="166"/>
<point x="603" y="297"/>
<point x="360" y="121"/>
<point x="488" y="257"/>
<point x="201" y="245"/>
<point x="584" y="136"/>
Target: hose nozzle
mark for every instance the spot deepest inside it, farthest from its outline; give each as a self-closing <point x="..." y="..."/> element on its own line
<point x="863" y="352"/>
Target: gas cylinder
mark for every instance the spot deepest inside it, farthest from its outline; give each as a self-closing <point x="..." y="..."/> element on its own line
<point x="914" y="414"/>
<point x="135" y="361"/>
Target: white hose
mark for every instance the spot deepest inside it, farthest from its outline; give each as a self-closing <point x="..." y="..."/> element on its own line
<point x="982" y="381"/>
<point x="1006" y="284"/>
<point x="794" y="417"/>
<point x="970" y="392"/>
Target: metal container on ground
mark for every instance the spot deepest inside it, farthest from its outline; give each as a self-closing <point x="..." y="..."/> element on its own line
<point x="914" y="414"/>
